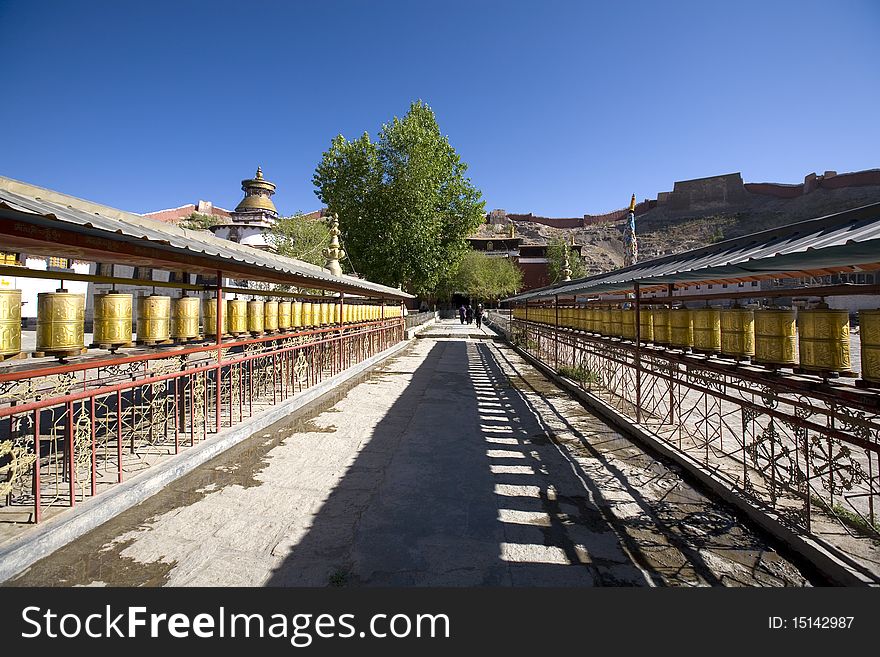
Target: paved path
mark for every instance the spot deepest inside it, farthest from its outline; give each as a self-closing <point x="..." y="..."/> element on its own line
<point x="454" y="463"/>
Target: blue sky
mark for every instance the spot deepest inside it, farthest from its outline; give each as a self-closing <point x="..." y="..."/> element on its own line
<point x="559" y="108"/>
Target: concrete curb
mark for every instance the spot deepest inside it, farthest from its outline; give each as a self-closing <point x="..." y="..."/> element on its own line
<point x="56" y="532"/>
<point x="829" y="560"/>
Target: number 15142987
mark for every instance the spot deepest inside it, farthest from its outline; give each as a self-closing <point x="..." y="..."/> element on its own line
<point x="810" y="622"/>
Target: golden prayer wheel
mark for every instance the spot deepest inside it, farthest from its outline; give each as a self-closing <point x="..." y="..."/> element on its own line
<point x="605" y="321"/>
<point x="869" y="336"/>
<point x="592" y="320"/>
<point x="661" y="325"/>
<point x="775" y="336"/>
<point x="738" y="333"/>
<point x="112" y="323"/>
<point x="185" y="318"/>
<point x="307" y="314"/>
<point x="616" y="322"/>
<point x="256" y="318"/>
<point x="823" y="340"/>
<point x="154" y="318"/>
<point x="60" y="323"/>
<point x="10" y="322"/>
<point x="628" y="324"/>
<point x="285" y="315"/>
<point x="335" y="314"/>
<point x="209" y="310"/>
<point x="270" y="316"/>
<point x="681" y="328"/>
<point x="646" y="324"/>
<point x="346" y="312"/>
<point x="296" y="314"/>
<point x="707" y="329"/>
<point x="238" y="316"/>
<point x="325" y="313"/>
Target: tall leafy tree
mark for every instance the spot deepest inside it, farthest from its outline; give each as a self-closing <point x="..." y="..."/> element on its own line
<point x="300" y="237"/>
<point x="405" y="206"/>
<point x="484" y="278"/>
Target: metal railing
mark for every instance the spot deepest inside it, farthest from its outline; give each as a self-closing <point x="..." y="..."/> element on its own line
<point x="68" y="432"/>
<point x="807" y="452"/>
<point x="417" y="319"/>
<point x="499" y="319"/>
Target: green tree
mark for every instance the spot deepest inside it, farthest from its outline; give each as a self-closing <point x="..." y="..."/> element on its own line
<point x="300" y="237"/>
<point x="198" y="221"/>
<point x="405" y="206"/>
<point x="485" y="278"/>
<point x="556" y="249"/>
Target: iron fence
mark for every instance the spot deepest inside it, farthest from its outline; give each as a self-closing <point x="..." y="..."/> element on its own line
<point x="807" y="451"/>
<point x="68" y="432"/>
<point x="417" y="319"/>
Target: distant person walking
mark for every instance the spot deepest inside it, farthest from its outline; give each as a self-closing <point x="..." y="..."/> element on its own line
<point x="470" y="314"/>
<point x="478" y="315"/>
<point x="461" y="313"/>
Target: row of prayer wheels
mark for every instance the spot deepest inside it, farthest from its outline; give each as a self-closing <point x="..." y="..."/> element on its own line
<point x="815" y="340"/>
<point x="61" y="319"/>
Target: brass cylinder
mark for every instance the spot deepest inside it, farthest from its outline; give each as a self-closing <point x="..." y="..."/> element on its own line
<point x="60" y="323"/>
<point x="154" y="318"/>
<point x="325" y="313"/>
<point x="296" y="314"/>
<point x="346" y="313"/>
<point x="270" y="316"/>
<point x="775" y="336"/>
<point x="591" y="320"/>
<point x="10" y="322"/>
<point x="238" y="316"/>
<point x="823" y="340"/>
<point x="646" y="324"/>
<point x="336" y="316"/>
<point x="681" y="328"/>
<point x="605" y="321"/>
<point x="185" y="318"/>
<point x="661" y="325"/>
<point x="209" y="310"/>
<point x="307" y="314"/>
<point x="285" y="315"/>
<point x="628" y="324"/>
<point x="738" y="332"/>
<point x="256" y="318"/>
<point x="869" y="336"/>
<point x="707" y="329"/>
<point x="112" y="322"/>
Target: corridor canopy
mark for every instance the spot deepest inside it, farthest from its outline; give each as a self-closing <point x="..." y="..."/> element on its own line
<point x="843" y="242"/>
<point x="39" y="221"/>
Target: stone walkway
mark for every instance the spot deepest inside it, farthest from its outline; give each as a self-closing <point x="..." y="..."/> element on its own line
<point x="453" y="464"/>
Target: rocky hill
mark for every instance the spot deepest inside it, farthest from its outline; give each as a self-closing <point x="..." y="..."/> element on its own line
<point x="665" y="229"/>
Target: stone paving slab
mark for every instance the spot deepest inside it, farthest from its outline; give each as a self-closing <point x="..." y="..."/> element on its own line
<point x="454" y="463"/>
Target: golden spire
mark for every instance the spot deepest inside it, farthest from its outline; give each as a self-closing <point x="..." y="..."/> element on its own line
<point x="333" y="253"/>
<point x="257" y="194"/>
<point x="632" y="204"/>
